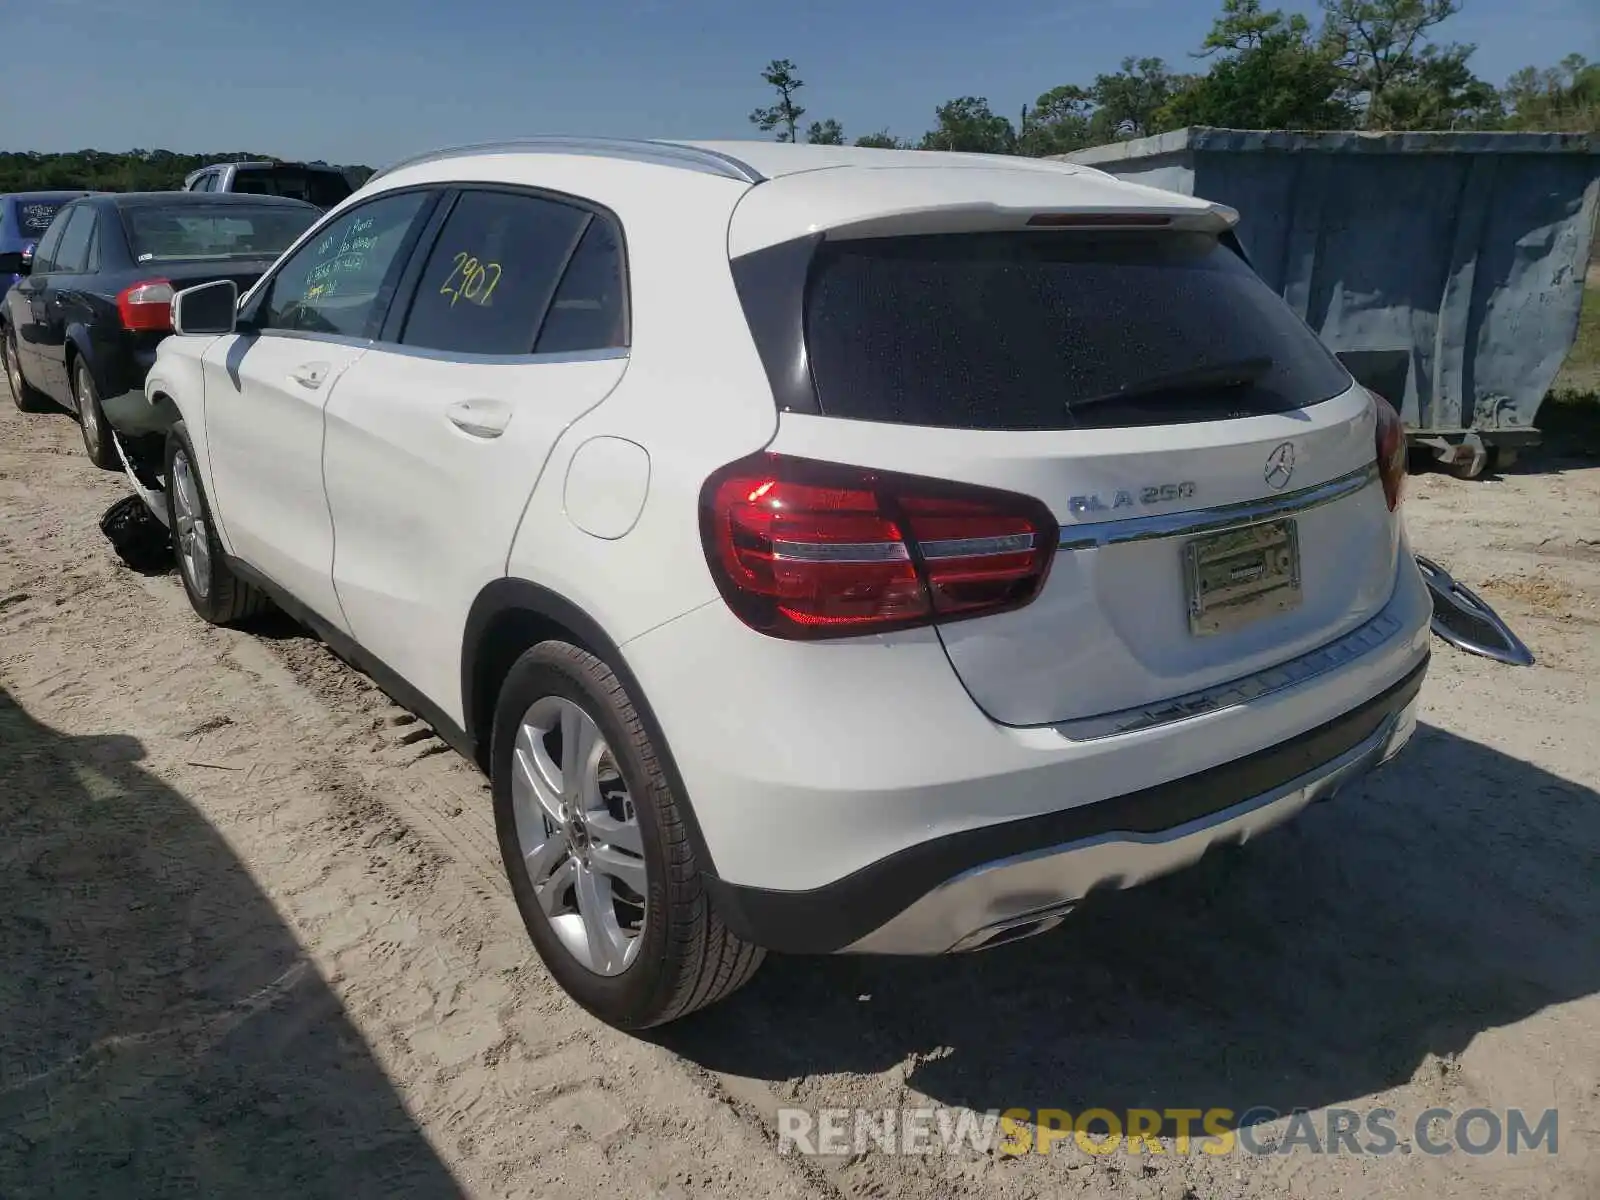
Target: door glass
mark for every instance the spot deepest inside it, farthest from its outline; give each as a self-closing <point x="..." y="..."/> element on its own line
<point x="36" y="215"/>
<point x="44" y="256"/>
<point x="589" y="311"/>
<point x="491" y="273"/>
<point x="73" y="255"/>
<point x="338" y="282"/>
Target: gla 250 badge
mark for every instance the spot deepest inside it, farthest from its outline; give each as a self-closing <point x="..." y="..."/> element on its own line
<point x="1160" y="493"/>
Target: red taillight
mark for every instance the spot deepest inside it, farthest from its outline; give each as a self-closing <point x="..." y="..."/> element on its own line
<point x="804" y="549"/>
<point x="1391" y="450"/>
<point x="146" y="305"/>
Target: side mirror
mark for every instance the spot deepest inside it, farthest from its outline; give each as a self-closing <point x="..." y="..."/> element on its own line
<point x="208" y="308"/>
<point x="10" y="263"/>
<point x="25" y="261"/>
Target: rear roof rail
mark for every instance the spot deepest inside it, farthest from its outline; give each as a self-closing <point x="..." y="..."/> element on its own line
<point x="668" y="154"/>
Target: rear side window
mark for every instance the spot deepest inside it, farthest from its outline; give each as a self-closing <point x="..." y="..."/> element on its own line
<point x="34" y="216"/>
<point x="1054" y="331"/>
<point x="161" y="233"/>
<point x="589" y="311"/>
<point x="72" y="256"/>
<point x="44" y="253"/>
<point x="322" y="188"/>
<point x="493" y="272"/>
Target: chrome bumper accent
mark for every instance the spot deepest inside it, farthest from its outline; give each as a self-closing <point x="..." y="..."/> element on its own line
<point x="1363" y="640"/>
<point x="1094" y="535"/>
<point x="993" y="902"/>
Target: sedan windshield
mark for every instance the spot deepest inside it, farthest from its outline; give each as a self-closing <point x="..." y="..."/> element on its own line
<point x="162" y="233"/>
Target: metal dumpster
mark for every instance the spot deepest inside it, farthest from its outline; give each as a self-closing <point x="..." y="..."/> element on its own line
<point x="1446" y="269"/>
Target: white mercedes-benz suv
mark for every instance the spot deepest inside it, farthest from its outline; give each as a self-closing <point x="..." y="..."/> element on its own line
<point x="821" y="549"/>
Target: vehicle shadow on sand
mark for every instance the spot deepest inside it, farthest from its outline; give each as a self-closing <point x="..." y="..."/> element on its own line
<point x="1453" y="892"/>
<point x="161" y="1030"/>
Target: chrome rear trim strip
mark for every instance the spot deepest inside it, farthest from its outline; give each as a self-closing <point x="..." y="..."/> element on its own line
<point x="1320" y="661"/>
<point x="1099" y="534"/>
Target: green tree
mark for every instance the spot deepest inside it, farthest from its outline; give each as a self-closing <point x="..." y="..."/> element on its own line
<point x="825" y="133"/>
<point x="1565" y="97"/>
<point x="968" y="125"/>
<point x="1392" y="76"/>
<point x="1130" y="103"/>
<point x="1268" y="73"/>
<point x="784" y="116"/>
<point x="1058" y="122"/>
<point x="882" y="140"/>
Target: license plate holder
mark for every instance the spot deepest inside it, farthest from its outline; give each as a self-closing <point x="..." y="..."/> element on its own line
<point x="1239" y="576"/>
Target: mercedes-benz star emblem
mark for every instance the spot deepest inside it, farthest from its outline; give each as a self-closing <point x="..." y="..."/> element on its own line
<point x="1280" y="466"/>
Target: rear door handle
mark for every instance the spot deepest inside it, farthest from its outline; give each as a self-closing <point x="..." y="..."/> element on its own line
<point x="480" y="418"/>
<point x="310" y="375"/>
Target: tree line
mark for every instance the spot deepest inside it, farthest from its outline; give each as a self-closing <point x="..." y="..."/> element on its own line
<point x="1370" y="64"/>
<point x="131" y="171"/>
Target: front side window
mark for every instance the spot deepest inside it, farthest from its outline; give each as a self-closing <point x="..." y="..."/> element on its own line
<point x="72" y="256"/>
<point x="491" y="274"/>
<point x="337" y="283"/>
<point x="209" y="230"/>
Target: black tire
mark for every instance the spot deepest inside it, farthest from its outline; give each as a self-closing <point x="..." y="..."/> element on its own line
<point x="221" y="598"/>
<point x="687" y="958"/>
<point x="92" y="419"/>
<point x="24" y="395"/>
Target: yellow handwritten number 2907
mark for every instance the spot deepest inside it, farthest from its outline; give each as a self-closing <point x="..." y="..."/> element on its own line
<point x="471" y="280"/>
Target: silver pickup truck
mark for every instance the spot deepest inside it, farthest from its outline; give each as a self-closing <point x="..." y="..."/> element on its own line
<point x="315" y="183"/>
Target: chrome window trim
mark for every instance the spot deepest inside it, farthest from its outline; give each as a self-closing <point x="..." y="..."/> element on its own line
<point x="662" y="153"/>
<point x="1096" y="535"/>
<point x="1377" y="632"/>
<point x="607" y="354"/>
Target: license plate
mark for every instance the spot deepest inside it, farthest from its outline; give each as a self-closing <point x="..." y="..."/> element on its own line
<point x="1241" y="575"/>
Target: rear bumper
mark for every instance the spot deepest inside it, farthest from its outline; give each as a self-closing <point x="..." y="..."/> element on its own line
<point x="963" y="891"/>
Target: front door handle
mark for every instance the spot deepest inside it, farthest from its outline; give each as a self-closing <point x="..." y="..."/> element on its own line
<point x="480" y="418"/>
<point x="310" y="375"/>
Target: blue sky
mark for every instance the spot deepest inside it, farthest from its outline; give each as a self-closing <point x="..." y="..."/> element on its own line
<point x="371" y="80"/>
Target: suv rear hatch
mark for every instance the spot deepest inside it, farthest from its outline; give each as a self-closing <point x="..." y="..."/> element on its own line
<point x="1210" y="464"/>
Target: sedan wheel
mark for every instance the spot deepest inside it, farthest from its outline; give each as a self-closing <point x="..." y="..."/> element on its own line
<point x="91" y="419"/>
<point x="579" y="835"/>
<point x="24" y="396"/>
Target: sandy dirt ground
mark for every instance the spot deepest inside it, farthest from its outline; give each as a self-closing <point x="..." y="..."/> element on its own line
<point x="255" y="940"/>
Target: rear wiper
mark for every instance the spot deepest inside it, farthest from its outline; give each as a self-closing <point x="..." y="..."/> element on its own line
<point x="1238" y="373"/>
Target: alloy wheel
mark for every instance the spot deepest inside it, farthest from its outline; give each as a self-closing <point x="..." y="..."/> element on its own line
<point x="194" y="544"/>
<point x="578" y="833"/>
<point x="13" y="371"/>
<point x="88" y="412"/>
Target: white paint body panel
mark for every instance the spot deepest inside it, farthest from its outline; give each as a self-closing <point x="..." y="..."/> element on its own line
<point x="607" y="482"/>
<point x="808" y="761"/>
<point x="264" y="429"/>
<point x="424" y="510"/>
<point x="920" y="194"/>
<point x="1111" y="628"/>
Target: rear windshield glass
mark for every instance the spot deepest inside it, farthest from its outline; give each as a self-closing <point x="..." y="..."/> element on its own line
<point x="159" y="233"/>
<point x="34" y="216"/>
<point x="1054" y="331"/>
<point x="322" y="188"/>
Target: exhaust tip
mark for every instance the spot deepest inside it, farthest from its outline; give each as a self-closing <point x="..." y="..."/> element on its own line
<point x="1013" y="929"/>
